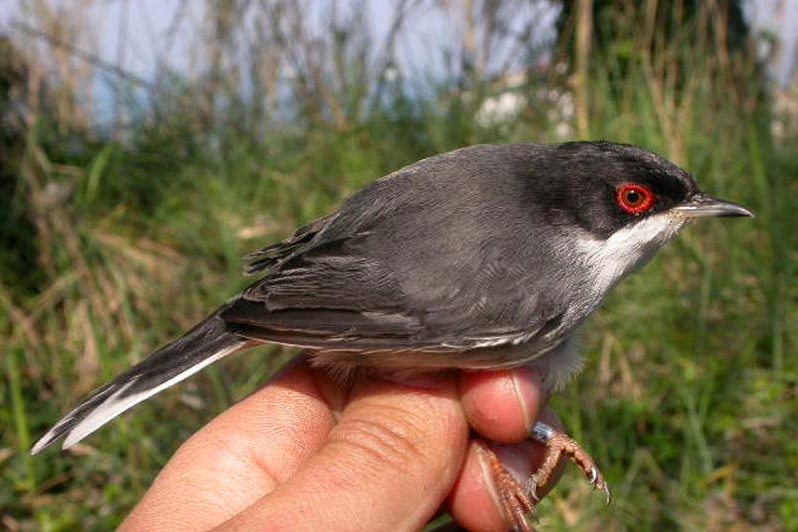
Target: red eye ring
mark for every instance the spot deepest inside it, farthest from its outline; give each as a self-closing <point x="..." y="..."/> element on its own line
<point x="634" y="198"/>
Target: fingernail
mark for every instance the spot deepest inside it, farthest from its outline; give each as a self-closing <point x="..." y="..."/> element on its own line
<point x="515" y="460"/>
<point x="528" y="388"/>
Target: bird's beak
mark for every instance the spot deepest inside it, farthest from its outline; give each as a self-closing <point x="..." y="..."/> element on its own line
<point x="701" y="205"/>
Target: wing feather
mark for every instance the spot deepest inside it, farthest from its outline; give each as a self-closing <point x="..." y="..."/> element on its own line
<point x="394" y="269"/>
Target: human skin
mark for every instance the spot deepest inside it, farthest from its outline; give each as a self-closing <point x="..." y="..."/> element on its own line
<point x="304" y="453"/>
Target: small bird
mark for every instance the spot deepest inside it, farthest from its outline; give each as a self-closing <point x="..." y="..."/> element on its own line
<point x="485" y="257"/>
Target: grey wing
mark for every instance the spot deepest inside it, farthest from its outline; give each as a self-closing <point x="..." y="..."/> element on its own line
<point x="272" y="256"/>
<point x="324" y="297"/>
<point x="344" y="291"/>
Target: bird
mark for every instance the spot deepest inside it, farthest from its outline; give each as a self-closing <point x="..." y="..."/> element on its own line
<point x="486" y="257"/>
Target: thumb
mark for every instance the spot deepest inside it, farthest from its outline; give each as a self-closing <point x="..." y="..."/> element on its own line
<point x="387" y="465"/>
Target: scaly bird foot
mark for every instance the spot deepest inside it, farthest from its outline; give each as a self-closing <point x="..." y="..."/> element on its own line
<point x="558" y="444"/>
<point x="517" y="500"/>
<point x="513" y="495"/>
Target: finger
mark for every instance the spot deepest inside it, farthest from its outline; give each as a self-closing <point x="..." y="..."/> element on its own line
<point x="387" y="465"/>
<point x="502" y="405"/>
<point x="240" y="456"/>
<point x="474" y="502"/>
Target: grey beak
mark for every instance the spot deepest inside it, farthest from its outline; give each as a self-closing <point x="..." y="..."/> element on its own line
<point x="701" y="205"/>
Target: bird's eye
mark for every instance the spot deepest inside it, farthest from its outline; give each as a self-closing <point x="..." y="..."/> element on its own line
<point x="634" y="198"/>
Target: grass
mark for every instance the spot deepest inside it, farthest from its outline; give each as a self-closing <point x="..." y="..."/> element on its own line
<point x="689" y="396"/>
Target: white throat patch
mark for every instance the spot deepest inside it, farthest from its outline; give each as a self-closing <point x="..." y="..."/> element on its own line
<point x="628" y="248"/>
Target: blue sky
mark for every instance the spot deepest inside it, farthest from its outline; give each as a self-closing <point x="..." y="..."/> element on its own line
<point x="134" y="35"/>
<point x="148" y="22"/>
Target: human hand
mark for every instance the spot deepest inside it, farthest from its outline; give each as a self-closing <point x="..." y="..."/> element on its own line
<point x="304" y="453"/>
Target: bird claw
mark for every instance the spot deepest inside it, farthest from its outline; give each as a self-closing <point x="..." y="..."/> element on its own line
<point x="558" y="444"/>
<point x="597" y="481"/>
<point x="593" y="476"/>
<point x="516" y="500"/>
<point x="532" y="488"/>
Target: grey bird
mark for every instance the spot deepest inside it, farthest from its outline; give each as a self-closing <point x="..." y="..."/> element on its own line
<point x="485" y="257"/>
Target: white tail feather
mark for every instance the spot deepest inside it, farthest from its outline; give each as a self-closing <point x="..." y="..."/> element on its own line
<point x="117" y="403"/>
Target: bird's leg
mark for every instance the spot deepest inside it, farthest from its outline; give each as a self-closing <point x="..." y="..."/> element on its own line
<point x="558" y="444"/>
<point x="513" y="496"/>
<point x="518" y="500"/>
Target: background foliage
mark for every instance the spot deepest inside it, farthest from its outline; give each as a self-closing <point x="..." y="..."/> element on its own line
<point x="114" y="240"/>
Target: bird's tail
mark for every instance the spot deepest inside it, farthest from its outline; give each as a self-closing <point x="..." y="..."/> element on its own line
<point x="201" y="346"/>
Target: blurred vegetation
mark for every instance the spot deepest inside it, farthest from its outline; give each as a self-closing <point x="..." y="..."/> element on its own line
<point x="112" y="241"/>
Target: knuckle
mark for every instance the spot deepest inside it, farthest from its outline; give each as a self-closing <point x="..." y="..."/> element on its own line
<point x="395" y="443"/>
